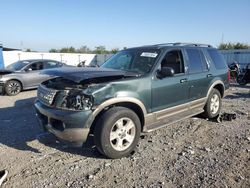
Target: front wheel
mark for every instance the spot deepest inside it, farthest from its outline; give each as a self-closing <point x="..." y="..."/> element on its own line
<point x="213" y="105"/>
<point x="13" y="87"/>
<point x="117" y="132"/>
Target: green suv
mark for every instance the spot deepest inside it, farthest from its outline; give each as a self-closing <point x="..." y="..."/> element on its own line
<point x="137" y="90"/>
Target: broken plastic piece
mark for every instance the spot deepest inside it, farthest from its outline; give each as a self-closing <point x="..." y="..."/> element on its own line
<point x="225" y="117"/>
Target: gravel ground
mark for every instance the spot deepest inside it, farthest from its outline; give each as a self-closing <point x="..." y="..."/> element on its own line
<point x="191" y="153"/>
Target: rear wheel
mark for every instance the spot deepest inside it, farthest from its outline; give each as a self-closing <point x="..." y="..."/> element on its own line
<point x="213" y="105"/>
<point x="117" y="132"/>
<point x="13" y="87"/>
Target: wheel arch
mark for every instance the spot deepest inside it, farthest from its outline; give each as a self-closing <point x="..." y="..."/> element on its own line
<point x="131" y="103"/>
<point x="220" y="88"/>
<point x="219" y="85"/>
<point x="15" y="79"/>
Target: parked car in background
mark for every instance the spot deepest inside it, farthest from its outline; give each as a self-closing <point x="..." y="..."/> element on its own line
<point x="25" y="74"/>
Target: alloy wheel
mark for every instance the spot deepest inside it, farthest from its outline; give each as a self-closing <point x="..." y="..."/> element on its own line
<point x="122" y="134"/>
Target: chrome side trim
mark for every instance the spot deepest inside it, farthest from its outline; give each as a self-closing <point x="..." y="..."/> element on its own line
<point x="158" y="116"/>
<point x="198" y="103"/>
<point x="171" y="111"/>
<point x="176" y="120"/>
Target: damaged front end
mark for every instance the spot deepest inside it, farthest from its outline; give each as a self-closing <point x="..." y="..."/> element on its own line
<point x="64" y="108"/>
<point x="76" y="100"/>
<point x="74" y="89"/>
<point x="4" y="72"/>
<point x="65" y="105"/>
<point x="65" y="94"/>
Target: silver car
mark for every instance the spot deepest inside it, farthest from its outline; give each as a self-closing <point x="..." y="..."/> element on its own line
<point x="25" y="74"/>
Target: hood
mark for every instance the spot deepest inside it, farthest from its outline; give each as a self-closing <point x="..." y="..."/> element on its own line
<point x="85" y="74"/>
<point x="5" y="71"/>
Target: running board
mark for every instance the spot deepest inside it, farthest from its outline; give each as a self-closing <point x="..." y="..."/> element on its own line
<point x="171" y="120"/>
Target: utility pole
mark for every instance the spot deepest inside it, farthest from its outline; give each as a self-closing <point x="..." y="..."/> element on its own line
<point x="222" y="38"/>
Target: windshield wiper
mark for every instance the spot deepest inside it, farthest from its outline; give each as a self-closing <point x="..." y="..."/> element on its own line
<point x="134" y="72"/>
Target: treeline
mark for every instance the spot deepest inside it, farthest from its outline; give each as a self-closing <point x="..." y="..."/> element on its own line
<point x="85" y="49"/>
<point x="232" y="46"/>
<point x="103" y="50"/>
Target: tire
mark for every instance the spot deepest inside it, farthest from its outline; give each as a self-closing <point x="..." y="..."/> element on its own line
<point x="213" y="105"/>
<point x="12" y="87"/>
<point x="117" y="132"/>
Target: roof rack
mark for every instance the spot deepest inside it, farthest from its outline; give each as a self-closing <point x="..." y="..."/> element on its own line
<point x="183" y="44"/>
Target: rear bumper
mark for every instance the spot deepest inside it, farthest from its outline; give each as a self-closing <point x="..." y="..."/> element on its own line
<point x="70" y="126"/>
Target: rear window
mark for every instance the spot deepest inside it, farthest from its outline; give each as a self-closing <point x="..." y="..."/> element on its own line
<point x="217" y="58"/>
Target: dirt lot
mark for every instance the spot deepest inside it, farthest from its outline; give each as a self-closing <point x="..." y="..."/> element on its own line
<point x="191" y="153"/>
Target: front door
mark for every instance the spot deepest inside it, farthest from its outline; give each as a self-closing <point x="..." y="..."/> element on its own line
<point x="33" y="76"/>
<point x="170" y="91"/>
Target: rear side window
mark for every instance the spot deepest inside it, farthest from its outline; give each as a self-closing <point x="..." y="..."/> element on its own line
<point x="51" y="64"/>
<point x="217" y="58"/>
<point x="196" y="61"/>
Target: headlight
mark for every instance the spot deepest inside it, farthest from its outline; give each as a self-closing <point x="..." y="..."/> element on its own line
<point x="76" y="100"/>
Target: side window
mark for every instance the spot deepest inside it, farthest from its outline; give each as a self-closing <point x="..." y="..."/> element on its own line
<point x="36" y="66"/>
<point x="174" y="60"/>
<point x="50" y="64"/>
<point x="217" y="58"/>
<point x="197" y="62"/>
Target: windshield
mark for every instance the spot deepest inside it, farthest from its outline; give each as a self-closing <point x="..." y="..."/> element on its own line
<point x="17" y="65"/>
<point x="139" y="60"/>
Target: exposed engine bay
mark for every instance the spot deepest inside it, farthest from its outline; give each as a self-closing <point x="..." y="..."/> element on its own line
<point x="70" y="95"/>
<point x="76" y="100"/>
<point x="75" y="88"/>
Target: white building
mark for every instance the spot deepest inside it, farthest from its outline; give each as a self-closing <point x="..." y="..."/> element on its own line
<point x="68" y="58"/>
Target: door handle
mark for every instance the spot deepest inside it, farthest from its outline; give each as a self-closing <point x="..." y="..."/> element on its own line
<point x="209" y="75"/>
<point x="183" y="80"/>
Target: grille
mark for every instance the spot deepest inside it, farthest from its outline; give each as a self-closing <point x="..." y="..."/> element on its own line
<point x="46" y="95"/>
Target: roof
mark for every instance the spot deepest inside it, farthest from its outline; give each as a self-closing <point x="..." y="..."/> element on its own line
<point x="176" y="44"/>
<point x="31" y="60"/>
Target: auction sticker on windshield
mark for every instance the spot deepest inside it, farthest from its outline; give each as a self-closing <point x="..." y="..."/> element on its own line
<point x="148" y="54"/>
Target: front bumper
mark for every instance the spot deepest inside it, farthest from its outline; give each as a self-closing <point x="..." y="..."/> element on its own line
<point x="71" y="126"/>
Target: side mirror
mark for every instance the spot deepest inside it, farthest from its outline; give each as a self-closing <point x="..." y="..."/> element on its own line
<point x="165" y="72"/>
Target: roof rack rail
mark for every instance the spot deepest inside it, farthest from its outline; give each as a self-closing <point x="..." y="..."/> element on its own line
<point x="183" y="44"/>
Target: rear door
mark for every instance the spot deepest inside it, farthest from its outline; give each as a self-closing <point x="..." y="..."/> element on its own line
<point x="199" y="74"/>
